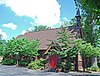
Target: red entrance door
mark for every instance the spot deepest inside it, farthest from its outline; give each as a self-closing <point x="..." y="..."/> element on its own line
<point x="53" y="61"/>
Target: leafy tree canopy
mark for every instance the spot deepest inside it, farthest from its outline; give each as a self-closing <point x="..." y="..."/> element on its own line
<point x="62" y="47"/>
<point x="2" y="45"/>
<point x="20" y="49"/>
<point x="90" y="7"/>
<point x="41" y="27"/>
<point x="86" y="49"/>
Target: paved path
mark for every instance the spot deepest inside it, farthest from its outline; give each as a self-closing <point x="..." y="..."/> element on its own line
<point x="21" y="71"/>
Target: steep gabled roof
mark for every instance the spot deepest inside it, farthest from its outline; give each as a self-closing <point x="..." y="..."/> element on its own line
<point x="46" y="35"/>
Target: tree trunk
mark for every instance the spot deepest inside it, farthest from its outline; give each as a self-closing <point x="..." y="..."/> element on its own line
<point x="18" y="59"/>
<point x="94" y="59"/>
<point x="17" y="63"/>
<point x="76" y="63"/>
<point x="94" y="62"/>
<point x="83" y="63"/>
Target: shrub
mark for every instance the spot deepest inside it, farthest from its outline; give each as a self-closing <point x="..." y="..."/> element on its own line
<point x="24" y="62"/>
<point x="94" y="68"/>
<point x="8" y="61"/>
<point x="17" y="49"/>
<point x="37" y="64"/>
<point x="88" y="68"/>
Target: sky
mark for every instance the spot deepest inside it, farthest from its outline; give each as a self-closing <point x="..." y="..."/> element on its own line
<point x="18" y="16"/>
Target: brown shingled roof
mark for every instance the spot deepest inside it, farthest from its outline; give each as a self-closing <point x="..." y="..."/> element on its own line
<point x="46" y="35"/>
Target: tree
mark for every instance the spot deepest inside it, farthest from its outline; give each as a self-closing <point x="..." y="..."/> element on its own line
<point x="87" y="50"/>
<point x="89" y="36"/>
<point x="98" y="37"/>
<point x="2" y="45"/>
<point x="73" y="21"/>
<point x="21" y="49"/>
<point x="90" y="10"/>
<point x="91" y="7"/>
<point x="41" y="27"/>
<point x="62" y="47"/>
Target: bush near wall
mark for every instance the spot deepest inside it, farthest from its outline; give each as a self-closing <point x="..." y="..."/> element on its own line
<point x="8" y="61"/>
<point x="20" y="51"/>
<point x="37" y="64"/>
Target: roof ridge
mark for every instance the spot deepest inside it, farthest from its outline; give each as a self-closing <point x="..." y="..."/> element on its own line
<point x="46" y="30"/>
<point x="42" y="30"/>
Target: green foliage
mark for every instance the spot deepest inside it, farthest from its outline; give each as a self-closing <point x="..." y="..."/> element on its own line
<point x="73" y="21"/>
<point x="21" y="49"/>
<point x="90" y="7"/>
<point x="8" y="61"/>
<point x="98" y="36"/>
<point x="89" y="36"/>
<point x="95" y="68"/>
<point x="61" y="43"/>
<point x="24" y="62"/>
<point x="63" y="37"/>
<point x="1" y="49"/>
<point x="62" y="54"/>
<point x="37" y="64"/>
<point x="2" y="45"/>
<point x="72" y="53"/>
<point x="31" y="48"/>
<point x="41" y="27"/>
<point x="90" y="19"/>
<point x="86" y="49"/>
<point x="62" y="47"/>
